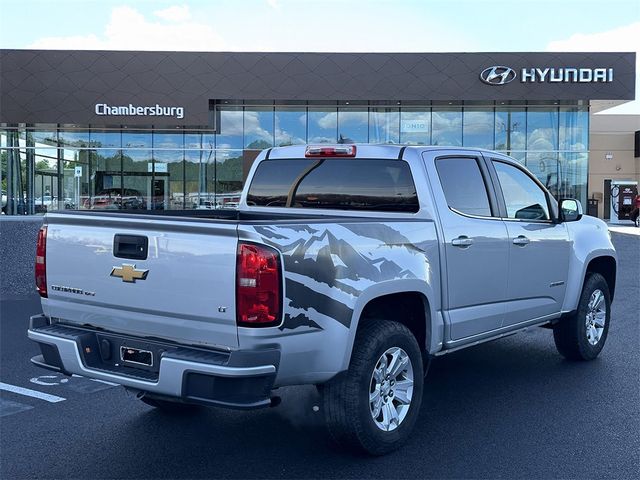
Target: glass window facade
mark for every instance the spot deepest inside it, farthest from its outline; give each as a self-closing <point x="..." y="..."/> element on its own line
<point x="156" y="168"/>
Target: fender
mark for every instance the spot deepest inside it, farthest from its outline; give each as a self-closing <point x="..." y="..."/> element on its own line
<point x="590" y="240"/>
<point x="435" y="323"/>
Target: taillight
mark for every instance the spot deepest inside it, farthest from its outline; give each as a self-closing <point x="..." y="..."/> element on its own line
<point x="258" y="286"/>
<point x="41" y="262"/>
<point x="337" y="151"/>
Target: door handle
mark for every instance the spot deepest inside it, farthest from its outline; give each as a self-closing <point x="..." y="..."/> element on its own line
<point x="521" y="241"/>
<point x="462" y="241"/>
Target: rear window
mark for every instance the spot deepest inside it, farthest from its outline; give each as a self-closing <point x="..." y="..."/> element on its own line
<point x="335" y="183"/>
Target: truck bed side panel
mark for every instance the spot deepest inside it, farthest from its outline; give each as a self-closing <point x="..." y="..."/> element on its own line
<point x="329" y="269"/>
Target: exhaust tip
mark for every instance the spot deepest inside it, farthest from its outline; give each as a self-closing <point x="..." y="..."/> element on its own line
<point x="275" y="401"/>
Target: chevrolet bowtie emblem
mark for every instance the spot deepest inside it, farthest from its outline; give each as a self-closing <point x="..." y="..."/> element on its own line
<point x="128" y="273"/>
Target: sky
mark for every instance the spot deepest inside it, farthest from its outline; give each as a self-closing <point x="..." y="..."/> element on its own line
<point x="326" y="26"/>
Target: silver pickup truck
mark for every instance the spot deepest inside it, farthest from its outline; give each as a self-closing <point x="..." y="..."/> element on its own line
<point x="349" y="267"/>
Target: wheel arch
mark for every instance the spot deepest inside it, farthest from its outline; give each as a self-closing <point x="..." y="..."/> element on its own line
<point x="406" y="300"/>
<point x="606" y="266"/>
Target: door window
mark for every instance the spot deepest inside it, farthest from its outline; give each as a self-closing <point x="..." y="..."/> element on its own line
<point x="523" y="197"/>
<point x="463" y="186"/>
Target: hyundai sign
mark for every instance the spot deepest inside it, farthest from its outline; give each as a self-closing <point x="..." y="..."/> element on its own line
<point x="501" y="75"/>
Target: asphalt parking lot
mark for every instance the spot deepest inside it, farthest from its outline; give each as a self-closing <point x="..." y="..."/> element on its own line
<point x="512" y="408"/>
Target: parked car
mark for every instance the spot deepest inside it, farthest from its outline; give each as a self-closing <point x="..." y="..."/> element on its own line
<point x="349" y="267"/>
<point x="118" y="199"/>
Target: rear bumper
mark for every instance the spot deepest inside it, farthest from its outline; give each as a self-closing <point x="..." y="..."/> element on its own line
<point x="238" y="379"/>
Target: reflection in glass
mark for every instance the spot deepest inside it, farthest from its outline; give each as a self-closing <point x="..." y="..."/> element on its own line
<point x="45" y="185"/>
<point x="168" y="140"/>
<point x="106" y="139"/>
<point x="136" y="147"/>
<point x="542" y="129"/>
<point x="544" y="165"/>
<point x="520" y="157"/>
<point x="383" y="185"/>
<point x="197" y="166"/>
<point x="231" y="129"/>
<point x="572" y="168"/>
<point x="290" y="126"/>
<point x="137" y="169"/>
<point x="228" y="180"/>
<point x="323" y="125"/>
<point x="447" y="127"/>
<point x="258" y="128"/>
<point x="70" y="138"/>
<point x="510" y="132"/>
<point x="523" y="198"/>
<point x="168" y="170"/>
<point x="46" y="137"/>
<point x="415" y="126"/>
<point x="478" y="128"/>
<point x="384" y="125"/>
<point x="168" y="180"/>
<point x="74" y="189"/>
<point x="41" y="196"/>
<point x="464" y="186"/>
<point x="353" y="125"/>
<point x="574" y="129"/>
<point x="106" y="177"/>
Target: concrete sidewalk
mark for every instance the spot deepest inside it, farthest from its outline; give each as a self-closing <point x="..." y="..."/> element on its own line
<point x="626" y="229"/>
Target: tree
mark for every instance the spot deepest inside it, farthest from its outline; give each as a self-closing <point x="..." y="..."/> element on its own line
<point x="259" y="145"/>
<point x="3" y="169"/>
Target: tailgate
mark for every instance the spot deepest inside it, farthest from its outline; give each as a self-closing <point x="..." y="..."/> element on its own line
<point x="184" y="290"/>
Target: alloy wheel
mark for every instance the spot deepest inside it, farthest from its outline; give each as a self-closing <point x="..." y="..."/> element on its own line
<point x="391" y="389"/>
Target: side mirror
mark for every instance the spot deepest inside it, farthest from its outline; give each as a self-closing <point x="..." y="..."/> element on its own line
<point x="570" y="210"/>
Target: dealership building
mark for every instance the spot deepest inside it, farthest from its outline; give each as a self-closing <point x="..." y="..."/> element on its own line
<point x="176" y="130"/>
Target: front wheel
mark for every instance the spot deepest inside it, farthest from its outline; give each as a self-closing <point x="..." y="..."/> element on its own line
<point x="374" y="406"/>
<point x="583" y="335"/>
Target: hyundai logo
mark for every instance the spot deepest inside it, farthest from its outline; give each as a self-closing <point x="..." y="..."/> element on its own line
<point x="498" y="75"/>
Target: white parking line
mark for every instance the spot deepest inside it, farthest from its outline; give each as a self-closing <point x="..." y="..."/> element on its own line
<point x="31" y="393"/>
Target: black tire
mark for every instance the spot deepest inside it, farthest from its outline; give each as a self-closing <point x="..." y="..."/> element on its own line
<point x="570" y="334"/>
<point x="346" y="398"/>
<point x="168" y="406"/>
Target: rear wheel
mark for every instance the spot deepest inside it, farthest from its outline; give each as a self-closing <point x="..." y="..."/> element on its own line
<point x="374" y="406"/>
<point x="583" y="335"/>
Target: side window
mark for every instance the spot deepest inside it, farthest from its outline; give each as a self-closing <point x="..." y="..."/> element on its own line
<point x="524" y="199"/>
<point x="463" y="186"/>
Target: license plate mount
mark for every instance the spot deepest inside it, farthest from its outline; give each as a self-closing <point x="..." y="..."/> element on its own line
<point x="136" y="356"/>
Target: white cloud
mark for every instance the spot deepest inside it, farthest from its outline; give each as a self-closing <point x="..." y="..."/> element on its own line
<point x="329" y="120"/>
<point x="275" y="4"/>
<point x="621" y="39"/>
<point x="128" y="29"/>
<point x="175" y="13"/>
